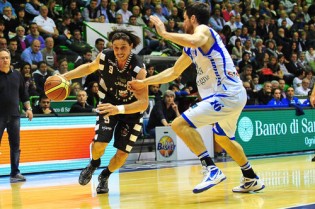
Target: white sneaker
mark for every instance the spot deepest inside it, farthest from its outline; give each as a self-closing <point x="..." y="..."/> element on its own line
<point x="249" y="185"/>
<point x="212" y="176"/>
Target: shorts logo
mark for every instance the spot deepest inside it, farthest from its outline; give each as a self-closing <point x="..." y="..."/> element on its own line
<point x="166" y="146"/>
<point x="124" y="131"/>
<point x="216" y="105"/>
<point x="245" y="129"/>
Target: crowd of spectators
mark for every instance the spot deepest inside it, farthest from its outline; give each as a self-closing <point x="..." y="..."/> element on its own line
<point x="269" y="41"/>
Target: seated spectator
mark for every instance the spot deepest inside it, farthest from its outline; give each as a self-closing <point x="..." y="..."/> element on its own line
<point x="40" y="76"/>
<point x="15" y="55"/>
<point x="92" y="92"/>
<point x="310" y="76"/>
<point x="34" y="34"/>
<point x="246" y="71"/>
<point x="287" y="76"/>
<point x="43" y="106"/>
<point x="78" y="45"/>
<point x="307" y="102"/>
<point x="150" y="70"/>
<point x="274" y="84"/>
<point x="30" y="85"/>
<point x="49" y="55"/>
<point x="154" y="90"/>
<point x="75" y="88"/>
<point x="91" y="12"/>
<point x="10" y="22"/>
<point x="32" y="9"/>
<point x="81" y="105"/>
<point x="124" y="11"/>
<point x="256" y="84"/>
<point x="304" y="88"/>
<point x="290" y="98"/>
<point x="99" y="47"/>
<point x="20" y="37"/>
<point x="76" y="22"/>
<point x="32" y="54"/>
<point x="62" y="66"/>
<point x="251" y="95"/>
<point x="47" y="26"/>
<point x="178" y="81"/>
<point x="264" y="95"/>
<point x="2" y="32"/>
<point x="297" y="81"/>
<point x="52" y="13"/>
<point x="237" y="51"/>
<point x="216" y="20"/>
<point x="163" y="112"/>
<point x="276" y="100"/>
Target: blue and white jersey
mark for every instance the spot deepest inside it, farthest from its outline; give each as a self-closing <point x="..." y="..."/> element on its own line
<point x="216" y="73"/>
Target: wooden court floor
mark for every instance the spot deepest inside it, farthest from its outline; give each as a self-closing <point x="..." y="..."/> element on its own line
<point x="289" y="180"/>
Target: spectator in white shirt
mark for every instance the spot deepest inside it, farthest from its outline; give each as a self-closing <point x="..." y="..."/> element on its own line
<point x="304" y="88"/>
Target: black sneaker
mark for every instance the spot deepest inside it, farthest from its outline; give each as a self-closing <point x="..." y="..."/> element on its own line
<point x="313" y="160"/>
<point x="86" y="175"/>
<point x="103" y="185"/>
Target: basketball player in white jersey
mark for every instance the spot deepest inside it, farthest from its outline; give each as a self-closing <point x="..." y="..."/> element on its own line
<point x="221" y="90"/>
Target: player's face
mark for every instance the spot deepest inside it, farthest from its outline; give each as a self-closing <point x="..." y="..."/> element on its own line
<point x="187" y="25"/>
<point x="122" y="49"/>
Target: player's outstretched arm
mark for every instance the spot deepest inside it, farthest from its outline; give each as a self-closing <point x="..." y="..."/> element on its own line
<point x="83" y="70"/>
<point x="199" y="38"/>
<point x="165" y="76"/>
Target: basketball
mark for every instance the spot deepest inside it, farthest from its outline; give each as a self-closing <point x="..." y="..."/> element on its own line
<point x="57" y="88"/>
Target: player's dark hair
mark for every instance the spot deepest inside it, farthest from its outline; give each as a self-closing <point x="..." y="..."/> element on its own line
<point x="122" y="34"/>
<point x="200" y="10"/>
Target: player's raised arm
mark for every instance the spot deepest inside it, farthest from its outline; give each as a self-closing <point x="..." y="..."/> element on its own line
<point x="197" y="38"/>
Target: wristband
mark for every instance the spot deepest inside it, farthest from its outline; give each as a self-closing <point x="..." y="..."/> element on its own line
<point x="121" y="109"/>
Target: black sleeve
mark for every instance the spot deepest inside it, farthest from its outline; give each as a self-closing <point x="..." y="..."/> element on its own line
<point x="24" y="96"/>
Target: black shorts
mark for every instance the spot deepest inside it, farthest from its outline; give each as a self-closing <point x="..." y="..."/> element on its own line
<point x="125" y="133"/>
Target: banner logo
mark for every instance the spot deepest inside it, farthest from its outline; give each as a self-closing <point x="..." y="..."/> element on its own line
<point x="245" y="129"/>
<point x="166" y="146"/>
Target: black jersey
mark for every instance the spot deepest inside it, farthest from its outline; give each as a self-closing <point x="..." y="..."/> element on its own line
<point x="113" y="81"/>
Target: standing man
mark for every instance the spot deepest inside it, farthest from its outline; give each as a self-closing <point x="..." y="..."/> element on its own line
<point x="12" y="91"/>
<point x="120" y="111"/>
<point x="220" y="88"/>
<point x="312" y="101"/>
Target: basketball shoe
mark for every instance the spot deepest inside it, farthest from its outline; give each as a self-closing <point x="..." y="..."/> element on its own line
<point x="103" y="185"/>
<point x="313" y="160"/>
<point x="212" y="176"/>
<point x="86" y="174"/>
<point x="17" y="178"/>
<point x="249" y="185"/>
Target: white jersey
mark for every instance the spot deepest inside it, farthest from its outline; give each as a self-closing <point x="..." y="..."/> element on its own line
<point x="216" y="73"/>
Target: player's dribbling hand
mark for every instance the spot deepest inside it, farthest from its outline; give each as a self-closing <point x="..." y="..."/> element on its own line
<point x="159" y="25"/>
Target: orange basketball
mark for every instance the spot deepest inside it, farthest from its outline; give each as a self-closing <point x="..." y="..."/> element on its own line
<point x="57" y="88"/>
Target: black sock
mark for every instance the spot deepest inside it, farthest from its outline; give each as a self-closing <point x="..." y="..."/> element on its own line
<point x="205" y="159"/>
<point x="96" y="163"/>
<point x="106" y="172"/>
<point x="248" y="171"/>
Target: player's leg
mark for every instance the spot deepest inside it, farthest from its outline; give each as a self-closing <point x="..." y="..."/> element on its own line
<point x="250" y="181"/>
<point x="103" y="135"/>
<point x="125" y="137"/>
<point x="184" y="127"/>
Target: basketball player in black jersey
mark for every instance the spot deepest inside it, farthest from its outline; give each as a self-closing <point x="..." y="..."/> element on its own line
<point x="120" y="111"/>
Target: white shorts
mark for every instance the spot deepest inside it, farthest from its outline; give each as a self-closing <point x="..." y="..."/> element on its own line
<point x="220" y="111"/>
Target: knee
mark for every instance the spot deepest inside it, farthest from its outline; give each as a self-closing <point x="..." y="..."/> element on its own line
<point x="121" y="156"/>
<point x="99" y="146"/>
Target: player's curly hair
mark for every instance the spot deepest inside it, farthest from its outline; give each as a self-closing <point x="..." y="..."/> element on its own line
<point x="122" y="34"/>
